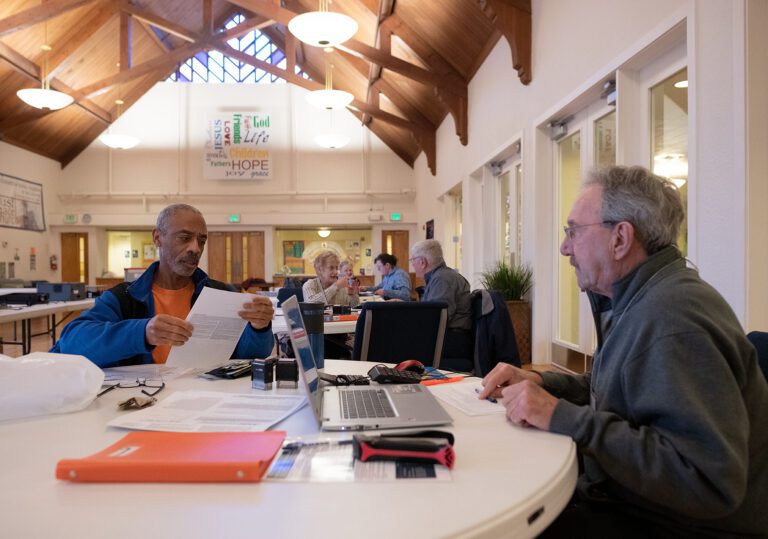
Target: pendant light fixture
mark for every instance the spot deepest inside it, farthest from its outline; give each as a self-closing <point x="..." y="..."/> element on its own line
<point x="323" y="28"/>
<point x="44" y="98"/>
<point x="331" y="140"/>
<point x="118" y="141"/>
<point x="329" y="98"/>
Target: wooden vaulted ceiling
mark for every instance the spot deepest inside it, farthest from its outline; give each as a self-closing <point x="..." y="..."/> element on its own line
<point x="408" y="65"/>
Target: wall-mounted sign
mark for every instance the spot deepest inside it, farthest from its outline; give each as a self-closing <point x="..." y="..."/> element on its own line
<point x="237" y="147"/>
<point x="70" y="219"/>
<point x="234" y="217"/>
<point x="395" y="216"/>
<point x="21" y="204"/>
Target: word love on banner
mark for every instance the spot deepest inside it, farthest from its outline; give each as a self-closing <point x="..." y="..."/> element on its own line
<point x="237" y="147"/>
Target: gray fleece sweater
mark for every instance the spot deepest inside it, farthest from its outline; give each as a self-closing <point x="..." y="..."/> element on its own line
<point x="672" y="422"/>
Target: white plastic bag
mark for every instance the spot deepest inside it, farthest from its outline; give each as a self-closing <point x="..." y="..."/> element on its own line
<point x="44" y="383"/>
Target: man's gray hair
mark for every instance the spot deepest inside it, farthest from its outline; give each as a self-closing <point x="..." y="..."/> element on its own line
<point x="652" y="204"/>
<point x="166" y="213"/>
<point x="429" y="249"/>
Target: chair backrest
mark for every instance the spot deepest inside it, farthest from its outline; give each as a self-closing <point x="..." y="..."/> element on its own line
<point x="393" y="331"/>
<point x="495" y="340"/>
<point x="285" y="293"/>
<point x="759" y="340"/>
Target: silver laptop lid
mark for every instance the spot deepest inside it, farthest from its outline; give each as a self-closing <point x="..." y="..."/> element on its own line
<point x="303" y="351"/>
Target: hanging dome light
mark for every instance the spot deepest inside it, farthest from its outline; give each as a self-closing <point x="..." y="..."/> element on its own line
<point x="44" y="98"/>
<point x="332" y="141"/>
<point x="329" y="98"/>
<point x="323" y="28"/>
<point x="118" y="141"/>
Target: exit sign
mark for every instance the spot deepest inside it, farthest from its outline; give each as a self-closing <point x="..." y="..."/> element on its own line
<point x="234" y="217"/>
<point x="70" y="219"/>
<point x="395" y="216"/>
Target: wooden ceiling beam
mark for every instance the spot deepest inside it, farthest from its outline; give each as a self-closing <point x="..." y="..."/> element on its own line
<point x="513" y="20"/>
<point x="31" y="70"/>
<point x="93" y="21"/>
<point x="207" y="17"/>
<point x="160" y="22"/>
<point x="405" y="106"/>
<point x="158" y="63"/>
<point x="454" y="99"/>
<point x="359" y="49"/>
<point x="40" y="13"/>
<point x="384" y="43"/>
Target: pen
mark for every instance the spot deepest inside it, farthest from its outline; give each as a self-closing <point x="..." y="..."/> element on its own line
<point x="477" y="390"/>
<point x="448" y="380"/>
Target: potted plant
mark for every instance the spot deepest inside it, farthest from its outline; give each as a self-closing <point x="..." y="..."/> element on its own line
<point x="514" y="282"/>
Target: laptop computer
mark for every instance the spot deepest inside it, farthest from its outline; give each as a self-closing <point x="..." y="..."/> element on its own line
<point x="359" y="407"/>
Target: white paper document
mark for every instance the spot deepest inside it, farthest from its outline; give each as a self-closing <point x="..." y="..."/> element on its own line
<point x="464" y="397"/>
<point x="217" y="328"/>
<point x="149" y="371"/>
<point x="211" y="411"/>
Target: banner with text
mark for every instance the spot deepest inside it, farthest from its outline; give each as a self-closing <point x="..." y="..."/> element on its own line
<point x="237" y="147"/>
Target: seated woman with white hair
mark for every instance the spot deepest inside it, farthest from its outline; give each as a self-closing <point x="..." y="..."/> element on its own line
<point x="330" y="287"/>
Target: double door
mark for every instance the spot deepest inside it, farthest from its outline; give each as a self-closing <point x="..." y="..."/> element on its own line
<point x="234" y="257"/>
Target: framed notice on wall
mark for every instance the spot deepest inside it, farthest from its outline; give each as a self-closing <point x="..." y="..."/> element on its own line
<point x="21" y="204"/>
<point x="237" y="146"/>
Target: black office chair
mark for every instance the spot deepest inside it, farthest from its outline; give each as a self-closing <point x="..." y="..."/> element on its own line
<point x="391" y="332"/>
<point x="495" y="340"/>
<point x="759" y="340"/>
<point x="285" y="293"/>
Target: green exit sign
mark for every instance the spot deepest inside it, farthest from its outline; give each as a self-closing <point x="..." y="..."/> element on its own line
<point x="396" y="216"/>
<point x="70" y="219"/>
<point x="234" y="217"/>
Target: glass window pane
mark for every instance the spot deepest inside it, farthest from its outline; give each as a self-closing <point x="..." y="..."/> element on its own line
<point x="605" y="140"/>
<point x="569" y="156"/>
<point x="669" y="137"/>
<point x="504" y="232"/>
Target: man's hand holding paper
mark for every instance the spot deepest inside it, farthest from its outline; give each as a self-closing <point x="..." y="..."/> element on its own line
<point x="258" y="312"/>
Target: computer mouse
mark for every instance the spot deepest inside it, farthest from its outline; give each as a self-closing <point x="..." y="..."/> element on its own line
<point x="412" y="365"/>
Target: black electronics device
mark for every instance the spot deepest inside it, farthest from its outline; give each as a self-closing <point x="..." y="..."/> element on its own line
<point x="344" y="379"/>
<point x="62" y="291"/>
<point x="23" y="298"/>
<point x="387" y="375"/>
<point x="232" y="369"/>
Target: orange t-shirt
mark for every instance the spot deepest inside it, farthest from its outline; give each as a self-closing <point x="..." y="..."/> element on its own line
<point x="175" y="303"/>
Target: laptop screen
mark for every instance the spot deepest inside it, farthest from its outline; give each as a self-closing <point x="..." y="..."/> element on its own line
<point x="302" y="348"/>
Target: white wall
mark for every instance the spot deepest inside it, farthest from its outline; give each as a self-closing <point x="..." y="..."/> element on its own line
<point x="574" y="44"/>
<point x="128" y="188"/>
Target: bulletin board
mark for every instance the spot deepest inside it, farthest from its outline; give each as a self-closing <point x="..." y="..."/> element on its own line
<point x="21" y="204"/>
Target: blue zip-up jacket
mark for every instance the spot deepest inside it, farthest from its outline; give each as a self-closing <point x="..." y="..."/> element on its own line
<point x="396" y="285"/>
<point x="102" y="334"/>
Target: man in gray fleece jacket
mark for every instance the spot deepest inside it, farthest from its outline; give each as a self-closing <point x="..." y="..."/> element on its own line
<point x="672" y="422"/>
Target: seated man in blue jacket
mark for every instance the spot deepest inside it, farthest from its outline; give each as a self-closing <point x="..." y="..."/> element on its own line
<point x="395" y="283"/>
<point x="139" y="322"/>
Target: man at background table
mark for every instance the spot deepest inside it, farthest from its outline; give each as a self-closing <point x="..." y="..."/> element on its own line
<point x="448" y="285"/>
<point x="395" y="282"/>
<point x="671" y="422"/>
<point x="139" y="322"/>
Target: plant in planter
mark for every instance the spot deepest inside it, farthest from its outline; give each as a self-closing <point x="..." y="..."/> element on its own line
<point x="513" y="282"/>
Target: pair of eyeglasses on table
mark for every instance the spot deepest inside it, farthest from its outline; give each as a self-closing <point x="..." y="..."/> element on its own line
<point x="157" y="385"/>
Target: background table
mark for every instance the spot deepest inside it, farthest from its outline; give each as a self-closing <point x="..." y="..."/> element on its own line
<point x="504" y="477"/>
<point x="25" y="314"/>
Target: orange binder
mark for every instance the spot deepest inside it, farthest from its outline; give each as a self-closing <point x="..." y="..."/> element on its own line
<point x="178" y="457"/>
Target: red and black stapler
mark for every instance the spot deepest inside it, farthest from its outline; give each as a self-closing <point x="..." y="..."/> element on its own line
<point x="428" y="446"/>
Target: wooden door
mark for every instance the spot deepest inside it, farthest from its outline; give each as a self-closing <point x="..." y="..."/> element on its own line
<point x="255" y="256"/>
<point x="236" y="256"/>
<point x="395" y="242"/>
<point x="217" y="261"/>
<point x="74" y="257"/>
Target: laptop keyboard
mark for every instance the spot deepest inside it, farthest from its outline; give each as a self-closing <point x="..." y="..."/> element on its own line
<point x="364" y="404"/>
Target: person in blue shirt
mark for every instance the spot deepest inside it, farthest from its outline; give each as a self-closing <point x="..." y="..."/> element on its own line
<point x="395" y="283"/>
<point x="138" y="322"/>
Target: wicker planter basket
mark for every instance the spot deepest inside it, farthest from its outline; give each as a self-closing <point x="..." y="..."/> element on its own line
<point x="520" y="313"/>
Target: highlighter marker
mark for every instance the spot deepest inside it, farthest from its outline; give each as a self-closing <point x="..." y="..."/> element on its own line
<point x="491" y="399"/>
